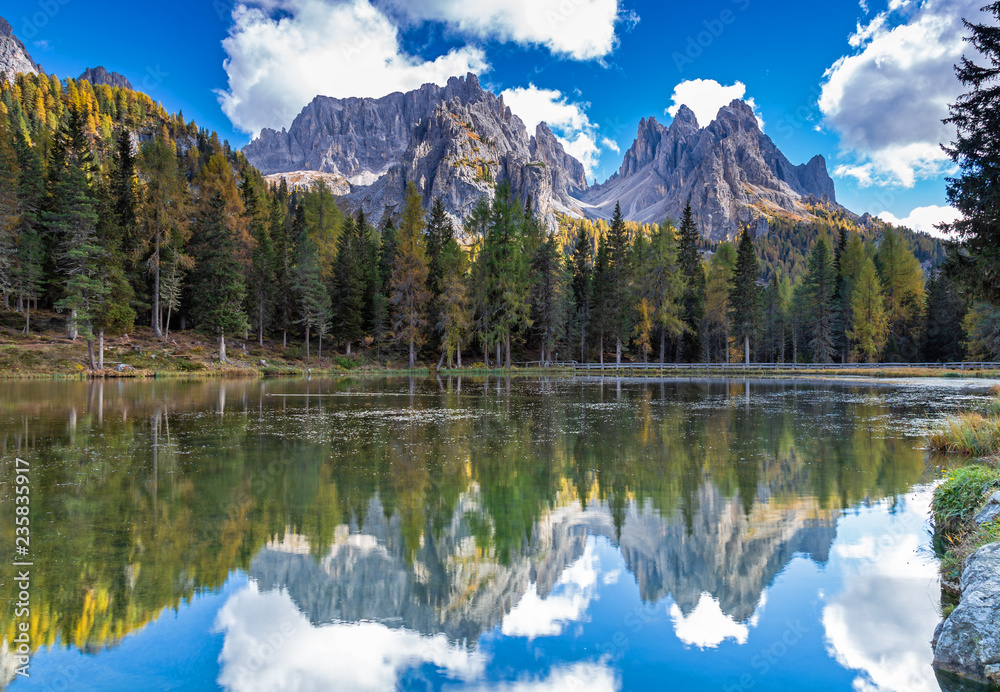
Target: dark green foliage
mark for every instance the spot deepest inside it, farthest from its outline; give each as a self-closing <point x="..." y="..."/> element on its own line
<point x="745" y="294"/>
<point x="944" y="334"/>
<point x="975" y="260"/>
<point x="694" y="289"/>
<point x="349" y="284"/>
<point x="820" y="286"/>
<point x="581" y="291"/>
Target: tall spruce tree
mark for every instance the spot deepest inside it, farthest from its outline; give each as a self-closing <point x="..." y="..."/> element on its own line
<point x="975" y="260"/>
<point x="218" y="289"/>
<point x="820" y="285"/>
<point x="582" y="284"/>
<point x="694" y="287"/>
<point x="745" y="294"/>
<point x="349" y="285"/>
<point x="617" y="284"/>
<point x="944" y="336"/>
<point x="260" y="284"/>
<point x="313" y="298"/>
<point x="548" y="297"/>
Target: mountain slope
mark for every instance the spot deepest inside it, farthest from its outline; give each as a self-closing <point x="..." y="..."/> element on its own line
<point x="725" y="169"/>
<point x="99" y="75"/>
<point x="14" y="56"/>
<point x="456" y="142"/>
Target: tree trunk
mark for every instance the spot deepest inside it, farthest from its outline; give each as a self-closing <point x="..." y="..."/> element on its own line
<point x="284" y="338"/>
<point x="727" y="344"/>
<point x="458" y="349"/>
<point x="307" y="341"/>
<point x="260" y="322"/>
<point x="157" y="328"/>
<point x="413" y="353"/>
<point x="73" y="331"/>
<point x="746" y="347"/>
<point x="618" y="350"/>
<point x="27" y="317"/>
<point x="348" y="349"/>
<point x="100" y="349"/>
<point x="602" y="349"/>
<point x="222" y="347"/>
<point x="449" y="358"/>
<point x="320" y="353"/>
<point x="499" y="360"/>
<point x="90" y="354"/>
<point x="486" y="354"/>
<point x="507" y="341"/>
<point x="663" y="346"/>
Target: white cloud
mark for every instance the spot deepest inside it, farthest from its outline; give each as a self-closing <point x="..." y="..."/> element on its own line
<point x="610" y="144"/>
<point x="706" y="96"/>
<point x="887" y="100"/>
<point x="925" y="219"/>
<point x="270" y="646"/>
<point x="707" y="626"/>
<point x="578" y="29"/>
<point x="568" y="121"/>
<point x="283" y="53"/>
<point x="546" y="617"/>
<point x="880" y="624"/>
<point x="578" y="677"/>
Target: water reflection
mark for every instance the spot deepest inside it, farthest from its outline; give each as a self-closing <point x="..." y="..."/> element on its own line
<point x="420" y="529"/>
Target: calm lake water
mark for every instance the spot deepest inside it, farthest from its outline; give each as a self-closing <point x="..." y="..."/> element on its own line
<point x="474" y="534"/>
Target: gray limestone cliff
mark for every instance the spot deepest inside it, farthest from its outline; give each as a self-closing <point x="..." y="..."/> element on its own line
<point x="456" y="142"/>
<point x="99" y="75"/>
<point x="14" y="56"/>
<point x="729" y="170"/>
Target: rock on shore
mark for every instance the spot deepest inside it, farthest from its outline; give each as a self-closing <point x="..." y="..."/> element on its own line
<point x="967" y="643"/>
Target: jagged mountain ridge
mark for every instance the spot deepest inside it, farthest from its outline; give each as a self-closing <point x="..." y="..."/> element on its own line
<point x="14" y="57"/>
<point x="99" y="75"/>
<point x="731" y="172"/>
<point x="456" y="142"/>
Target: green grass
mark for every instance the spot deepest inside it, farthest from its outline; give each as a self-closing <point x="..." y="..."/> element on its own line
<point x="962" y="494"/>
<point x="971" y="434"/>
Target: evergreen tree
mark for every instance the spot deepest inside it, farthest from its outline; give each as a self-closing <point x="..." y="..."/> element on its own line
<point x="260" y="285"/>
<point x="409" y="276"/>
<point x="314" y="301"/>
<point x="283" y="244"/>
<point x="975" y="260"/>
<point x="28" y="276"/>
<point x="73" y="220"/>
<point x="582" y="284"/>
<point x="774" y="321"/>
<point x="602" y="310"/>
<point x="218" y="289"/>
<point x="717" y="323"/>
<point x="694" y="288"/>
<point x="548" y="297"/>
<point x="661" y="285"/>
<point x="176" y="264"/>
<point x="454" y="319"/>
<point x="944" y="335"/>
<point x="349" y="285"/>
<point x="870" y="322"/>
<point x="616" y="282"/>
<point x="9" y="214"/>
<point x="745" y="294"/>
<point x="820" y="286"/>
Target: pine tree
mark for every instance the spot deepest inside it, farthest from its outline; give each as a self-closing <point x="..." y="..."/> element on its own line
<point x="903" y="283"/>
<point x="582" y="284"/>
<point x="870" y="320"/>
<point x="601" y="314"/>
<point x="260" y="286"/>
<point x="349" y="285"/>
<point x="454" y="319"/>
<point x="717" y="323"/>
<point x="283" y="243"/>
<point x="944" y="335"/>
<point x="28" y="275"/>
<point x="617" y="282"/>
<point x="314" y="301"/>
<point x="661" y="285"/>
<point x="218" y="289"/>
<point x="820" y="286"/>
<point x="73" y="220"/>
<point x="975" y="261"/>
<point x="9" y="214"/>
<point x="694" y="287"/>
<point x="548" y="297"/>
<point x="409" y="276"/>
<point x="745" y="294"/>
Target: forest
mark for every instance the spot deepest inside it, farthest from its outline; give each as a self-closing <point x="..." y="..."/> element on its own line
<point x="116" y="214"/>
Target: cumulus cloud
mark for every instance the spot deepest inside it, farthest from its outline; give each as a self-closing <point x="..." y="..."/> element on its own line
<point x="880" y="624"/>
<point x="546" y="617"/>
<point x="578" y="29"/>
<point x="567" y="120"/>
<point x="925" y="219"/>
<point x="578" y="677"/>
<point x="270" y="646"/>
<point x="886" y="100"/>
<point x="283" y="53"/>
<point x="707" y="626"/>
<point x="706" y="96"/>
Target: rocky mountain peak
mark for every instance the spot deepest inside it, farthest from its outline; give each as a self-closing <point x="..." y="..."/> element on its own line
<point x="14" y="57"/>
<point x="99" y="75"/>
<point x="456" y="141"/>
<point x="684" y="116"/>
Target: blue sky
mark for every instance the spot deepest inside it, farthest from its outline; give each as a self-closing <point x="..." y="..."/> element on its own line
<point x="864" y="84"/>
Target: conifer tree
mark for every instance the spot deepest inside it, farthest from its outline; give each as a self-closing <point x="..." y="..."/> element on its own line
<point x="283" y="243"/>
<point x="820" y="286"/>
<point x="9" y="214"/>
<point x="662" y="286"/>
<point x="944" y="335"/>
<point x="582" y="284"/>
<point x="903" y="282"/>
<point x="506" y="267"/>
<point x="260" y="285"/>
<point x="602" y="310"/>
<point x="717" y="323"/>
<point x="694" y="287"/>
<point x="218" y="289"/>
<point x="975" y="262"/>
<point x="454" y="320"/>
<point x="314" y="301"/>
<point x="547" y="297"/>
<point x="349" y="285"/>
<point x="409" y="276"/>
<point x="870" y="323"/>
<point x="745" y="294"/>
<point x="617" y="282"/>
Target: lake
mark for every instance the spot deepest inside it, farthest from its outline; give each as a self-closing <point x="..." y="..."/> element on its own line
<point x="468" y="533"/>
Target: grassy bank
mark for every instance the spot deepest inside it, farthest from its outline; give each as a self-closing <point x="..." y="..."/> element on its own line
<point x="975" y="435"/>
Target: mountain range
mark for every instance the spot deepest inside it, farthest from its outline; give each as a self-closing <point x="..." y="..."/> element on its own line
<point x="456" y="142"/>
